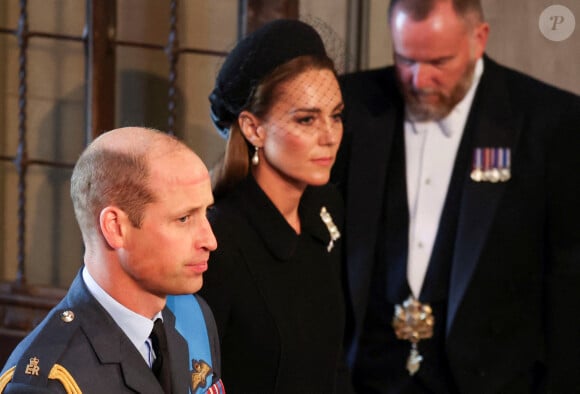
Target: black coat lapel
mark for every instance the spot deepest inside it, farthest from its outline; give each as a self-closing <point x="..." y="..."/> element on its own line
<point x="491" y="124"/>
<point x="369" y="154"/>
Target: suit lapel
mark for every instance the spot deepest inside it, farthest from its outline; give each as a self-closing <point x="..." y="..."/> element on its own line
<point x="370" y="152"/>
<point x="137" y="374"/>
<point x="179" y="353"/>
<point x="110" y="344"/>
<point x="491" y="124"/>
<point x="113" y="347"/>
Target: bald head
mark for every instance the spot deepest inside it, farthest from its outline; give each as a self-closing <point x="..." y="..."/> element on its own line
<point x="134" y="141"/>
<point x="418" y="10"/>
<point x="115" y="169"/>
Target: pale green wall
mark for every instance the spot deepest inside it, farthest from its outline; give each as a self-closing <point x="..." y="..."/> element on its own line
<point x="55" y="118"/>
<point x="515" y="40"/>
<point x="56" y="93"/>
<point x="56" y="99"/>
<point x="55" y="124"/>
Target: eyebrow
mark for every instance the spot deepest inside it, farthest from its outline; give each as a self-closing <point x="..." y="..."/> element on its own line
<point x="413" y="60"/>
<point x="317" y="110"/>
<point x="193" y="209"/>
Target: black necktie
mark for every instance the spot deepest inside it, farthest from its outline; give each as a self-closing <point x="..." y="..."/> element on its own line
<point x="161" y="366"/>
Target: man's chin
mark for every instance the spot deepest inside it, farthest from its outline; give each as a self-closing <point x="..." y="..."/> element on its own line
<point x="426" y="112"/>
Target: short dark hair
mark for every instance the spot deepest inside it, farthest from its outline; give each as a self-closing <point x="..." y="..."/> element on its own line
<point x="420" y="9"/>
<point x="103" y="177"/>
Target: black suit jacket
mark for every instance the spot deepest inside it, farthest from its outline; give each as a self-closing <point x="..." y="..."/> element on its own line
<point x="93" y="350"/>
<point x="514" y="283"/>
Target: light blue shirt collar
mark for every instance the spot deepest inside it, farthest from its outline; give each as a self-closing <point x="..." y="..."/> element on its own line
<point x="135" y="326"/>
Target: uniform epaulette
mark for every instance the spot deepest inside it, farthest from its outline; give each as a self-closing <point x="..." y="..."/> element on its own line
<point x="36" y="358"/>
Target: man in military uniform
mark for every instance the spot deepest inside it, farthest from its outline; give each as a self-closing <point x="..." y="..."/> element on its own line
<point x="140" y="198"/>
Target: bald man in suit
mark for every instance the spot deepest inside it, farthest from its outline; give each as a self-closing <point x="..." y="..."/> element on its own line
<point x="461" y="184"/>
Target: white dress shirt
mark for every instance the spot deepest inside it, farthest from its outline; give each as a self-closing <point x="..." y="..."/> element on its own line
<point x="430" y="150"/>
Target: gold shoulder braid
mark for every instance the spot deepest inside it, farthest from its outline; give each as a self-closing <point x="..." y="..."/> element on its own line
<point x="5" y="378"/>
<point x="58" y="372"/>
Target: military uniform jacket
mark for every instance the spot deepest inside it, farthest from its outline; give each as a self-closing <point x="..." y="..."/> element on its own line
<point x="79" y="348"/>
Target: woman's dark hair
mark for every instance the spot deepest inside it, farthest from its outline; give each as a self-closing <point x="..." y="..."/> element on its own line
<point x="235" y="164"/>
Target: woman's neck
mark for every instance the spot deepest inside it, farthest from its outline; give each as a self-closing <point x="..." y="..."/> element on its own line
<point x="284" y="194"/>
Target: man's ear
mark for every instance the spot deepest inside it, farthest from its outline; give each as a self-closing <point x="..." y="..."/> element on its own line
<point x="480" y="35"/>
<point x="113" y="222"/>
<point x="251" y="128"/>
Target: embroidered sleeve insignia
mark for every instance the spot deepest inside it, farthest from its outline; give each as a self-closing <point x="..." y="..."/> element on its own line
<point x="199" y="374"/>
<point x="32" y="367"/>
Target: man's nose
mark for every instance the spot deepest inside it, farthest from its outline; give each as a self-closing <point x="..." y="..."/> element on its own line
<point x="207" y="237"/>
<point x="422" y="76"/>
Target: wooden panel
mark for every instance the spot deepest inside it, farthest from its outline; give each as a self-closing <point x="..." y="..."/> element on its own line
<point x="101" y="67"/>
<point x="255" y="13"/>
<point x="21" y="310"/>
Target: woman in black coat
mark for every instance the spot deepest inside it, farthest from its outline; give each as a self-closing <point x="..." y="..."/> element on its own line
<point x="274" y="283"/>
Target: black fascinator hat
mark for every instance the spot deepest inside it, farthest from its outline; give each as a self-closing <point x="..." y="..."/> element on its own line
<point x="253" y="58"/>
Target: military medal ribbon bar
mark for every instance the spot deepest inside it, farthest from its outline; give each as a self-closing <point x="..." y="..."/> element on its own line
<point x="491" y="165"/>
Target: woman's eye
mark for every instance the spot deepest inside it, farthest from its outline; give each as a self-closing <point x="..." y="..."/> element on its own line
<point x="306" y="120"/>
<point x="338" y="117"/>
<point x="183" y="219"/>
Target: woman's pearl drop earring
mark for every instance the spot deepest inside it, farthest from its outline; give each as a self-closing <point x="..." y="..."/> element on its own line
<point x="255" y="157"/>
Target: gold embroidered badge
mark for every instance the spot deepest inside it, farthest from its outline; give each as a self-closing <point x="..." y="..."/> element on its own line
<point x="32" y="368"/>
<point x="199" y="374"/>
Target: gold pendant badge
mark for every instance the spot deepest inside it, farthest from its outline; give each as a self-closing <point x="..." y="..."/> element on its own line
<point x="412" y="322"/>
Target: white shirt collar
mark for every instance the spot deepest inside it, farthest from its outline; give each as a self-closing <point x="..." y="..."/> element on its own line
<point x="456" y="119"/>
<point x="135" y="326"/>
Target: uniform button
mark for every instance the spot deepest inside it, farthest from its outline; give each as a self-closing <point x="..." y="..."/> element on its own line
<point x="67" y="316"/>
<point x="428" y="181"/>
